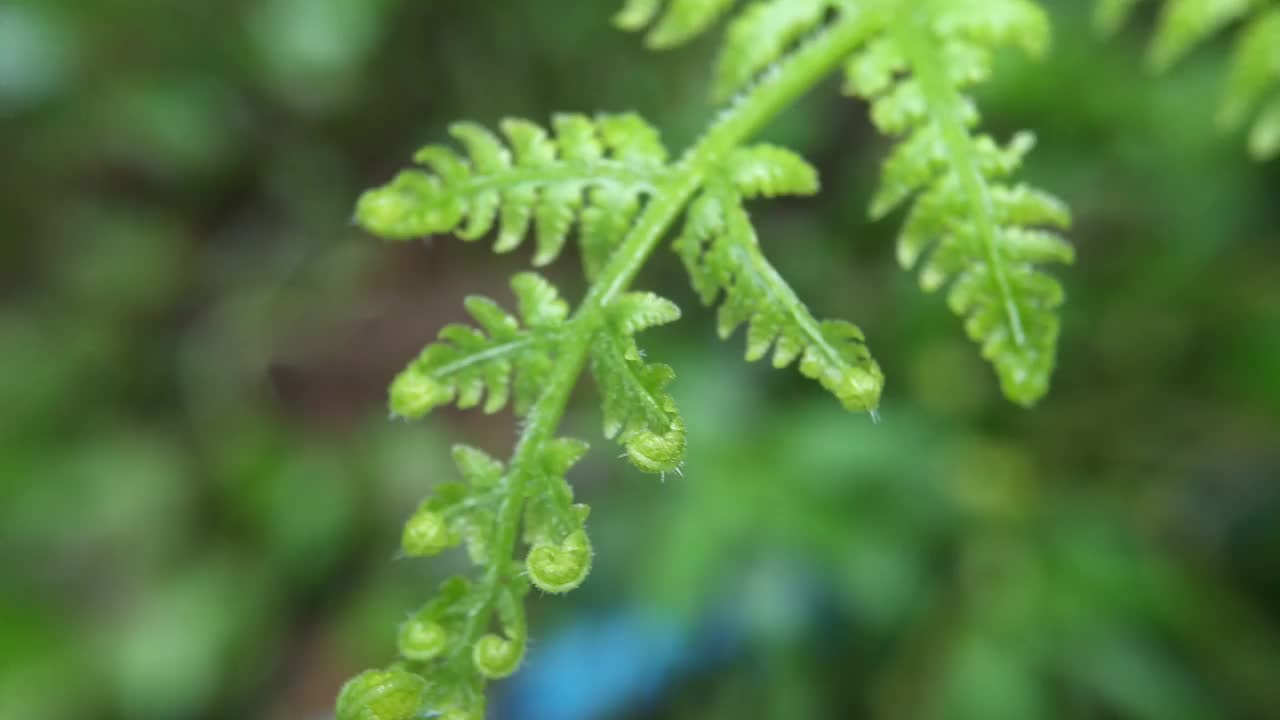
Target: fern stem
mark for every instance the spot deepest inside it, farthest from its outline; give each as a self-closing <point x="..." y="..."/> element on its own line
<point x="945" y="103"/>
<point x="540" y="425"/>
<point x="779" y="89"/>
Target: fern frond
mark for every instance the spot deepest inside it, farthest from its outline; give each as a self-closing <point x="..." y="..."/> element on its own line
<point x="1255" y="68"/>
<point x="552" y="521"/>
<point x="637" y="409"/>
<point x="1253" y="87"/>
<point x="768" y="171"/>
<point x="680" y="21"/>
<point x="531" y="180"/>
<point x="757" y="38"/>
<point x="982" y="237"/>
<point x="1184" y="24"/>
<point x="610" y="176"/>
<point x="976" y="25"/>
<point x="986" y="237"/>
<point x="467" y="364"/>
<point x="721" y="251"/>
<point x="1264" y="137"/>
<point x="760" y="35"/>
<point x="450" y="637"/>
<point x="457" y="512"/>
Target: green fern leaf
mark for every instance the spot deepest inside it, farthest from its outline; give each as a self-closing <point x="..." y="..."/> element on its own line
<point x="458" y="512"/>
<point x="444" y="612"/>
<point x="984" y="24"/>
<point x="720" y="250"/>
<point x="533" y="180"/>
<point x="682" y="20"/>
<point x="1111" y="15"/>
<point x="1264" y="138"/>
<point x="1255" y="75"/>
<point x="554" y="526"/>
<point x="1255" y="69"/>
<point x="769" y="171"/>
<point x="551" y="514"/>
<point x="968" y="230"/>
<point x="477" y="467"/>
<point x="454" y="512"/>
<point x="760" y="35"/>
<point x="1254" y="82"/>
<point x="429" y="638"/>
<point x="637" y="409"/>
<point x="1183" y="24"/>
<point x="467" y="364"/>
<point x="610" y="213"/>
<point x="558" y="560"/>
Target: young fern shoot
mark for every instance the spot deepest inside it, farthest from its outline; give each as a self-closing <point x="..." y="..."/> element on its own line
<point x="1252" y="95"/>
<point x="611" y="178"/>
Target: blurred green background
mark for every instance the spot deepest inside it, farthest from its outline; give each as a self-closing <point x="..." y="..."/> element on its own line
<point x="201" y="492"/>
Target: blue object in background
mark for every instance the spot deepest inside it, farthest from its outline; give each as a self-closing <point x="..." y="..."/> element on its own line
<point x="633" y="656"/>
<point x="630" y="658"/>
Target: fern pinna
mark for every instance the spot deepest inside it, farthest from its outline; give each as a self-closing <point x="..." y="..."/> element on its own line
<point x="1252" y="96"/>
<point x="610" y="182"/>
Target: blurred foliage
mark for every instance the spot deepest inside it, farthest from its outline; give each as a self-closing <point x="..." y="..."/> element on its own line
<point x="200" y="491"/>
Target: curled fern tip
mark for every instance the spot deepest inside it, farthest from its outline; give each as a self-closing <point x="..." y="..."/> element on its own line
<point x="559" y="569"/>
<point x="422" y="640"/>
<point x="382" y="695"/>
<point x="497" y="657"/>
